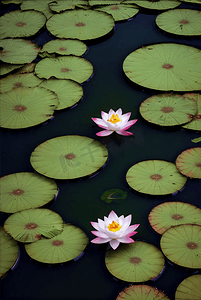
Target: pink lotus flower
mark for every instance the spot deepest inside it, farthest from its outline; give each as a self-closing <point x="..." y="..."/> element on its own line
<point x="114" y="121"/>
<point x="114" y="229"/>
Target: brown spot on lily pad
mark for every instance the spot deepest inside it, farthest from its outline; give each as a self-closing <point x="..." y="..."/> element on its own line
<point x="31" y="226"/>
<point x="135" y="260"/>
<point x="192" y="245"/>
<point x="114" y="7"/>
<point x="20" y="108"/>
<point x="57" y="243"/>
<point x="167" y="109"/>
<point x="156" y="177"/>
<point x="65" y="70"/>
<point x="62" y="49"/>
<point x="167" y="66"/>
<point x="70" y="156"/>
<point x="177" y="217"/>
<point x="184" y="22"/>
<point x="80" y="24"/>
<point x="38" y="236"/>
<point x="17" y="192"/>
<point x="18" y="84"/>
<point x="198" y="165"/>
<point x="20" y="24"/>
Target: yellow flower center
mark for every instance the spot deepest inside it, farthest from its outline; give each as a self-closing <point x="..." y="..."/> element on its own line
<point x="114" y="226"/>
<point x="114" y="119"/>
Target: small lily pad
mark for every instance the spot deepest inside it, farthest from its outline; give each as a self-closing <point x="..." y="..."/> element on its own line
<point x="195" y="124"/>
<point x="113" y="195"/>
<point x="189" y="162"/>
<point x="196" y="140"/>
<point x="29" y="225"/>
<point x="120" y="12"/>
<point x="182" y="245"/>
<point x="62" y="5"/>
<point x="189" y="288"/>
<point x="67" y="245"/>
<point x="168" y="214"/>
<point x="141" y="292"/>
<point x="136" y="262"/>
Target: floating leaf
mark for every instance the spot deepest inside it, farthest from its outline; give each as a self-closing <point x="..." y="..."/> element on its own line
<point x="168" y="214"/>
<point x="168" y="109"/>
<point x="189" y="162"/>
<point x="141" y="292"/>
<point x="120" y="12"/>
<point x="25" y="107"/>
<point x="155" y="177"/>
<point x="20" y="191"/>
<point x="79" y="24"/>
<point x="195" y="124"/>
<point x="6" y="68"/>
<point x="38" y="5"/>
<point x="67" y="245"/>
<point x="182" y="245"/>
<point x="189" y="288"/>
<point x="28" y="225"/>
<point x="136" y="262"/>
<point x="192" y="1"/>
<point x="167" y="67"/>
<point x="155" y="4"/>
<point x="9" y="252"/>
<point x="196" y="140"/>
<point x="113" y="195"/>
<point x="61" y="5"/>
<point x="69" y="157"/>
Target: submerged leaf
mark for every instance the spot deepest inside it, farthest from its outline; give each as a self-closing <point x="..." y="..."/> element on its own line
<point x="113" y="195"/>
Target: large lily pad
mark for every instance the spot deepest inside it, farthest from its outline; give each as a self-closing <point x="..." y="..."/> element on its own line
<point x="67" y="67"/>
<point x="155" y="4"/>
<point x="38" y="5"/>
<point x="29" y="225"/>
<point x="155" y="177"/>
<point x="167" y="67"/>
<point x="6" y="68"/>
<point x="195" y="124"/>
<point x="18" y="51"/>
<point x="67" y="245"/>
<point x="189" y="162"/>
<point x="180" y="22"/>
<point x="182" y="245"/>
<point x="192" y="1"/>
<point x="69" y="157"/>
<point x="25" y="107"/>
<point x="68" y="91"/>
<point x="168" y="214"/>
<point x="141" y="292"/>
<point x="136" y="262"/>
<point x="21" y="23"/>
<point x="25" y="190"/>
<point x="120" y="12"/>
<point x="168" y="109"/>
<point x="80" y="24"/>
<point x="189" y="288"/>
<point x="61" y="5"/>
<point x="9" y="252"/>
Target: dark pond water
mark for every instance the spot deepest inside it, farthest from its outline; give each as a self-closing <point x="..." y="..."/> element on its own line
<point x="79" y="202"/>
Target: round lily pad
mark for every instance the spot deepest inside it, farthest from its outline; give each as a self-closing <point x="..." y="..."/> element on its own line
<point x="25" y="107"/>
<point x="155" y="177"/>
<point x="180" y="22"/>
<point x="195" y="124"/>
<point x="189" y="162"/>
<point x="168" y="109"/>
<point x="103" y="2"/>
<point x="67" y="67"/>
<point x="20" y="191"/>
<point x="136" y="262"/>
<point x="167" y="67"/>
<point x="6" y="68"/>
<point x="64" y="47"/>
<point x="168" y="214"/>
<point x="69" y="157"/>
<point x="19" y="23"/>
<point x="38" y="5"/>
<point x="18" y="51"/>
<point x="68" y="91"/>
<point x="9" y="252"/>
<point x="18" y="80"/>
<point x="182" y="245"/>
<point x="61" y="5"/>
<point x="80" y="24"/>
<point x="156" y="4"/>
<point x="189" y="288"/>
<point x="141" y="292"/>
<point x="120" y="12"/>
<point x="67" y="245"/>
<point x="29" y="225"/>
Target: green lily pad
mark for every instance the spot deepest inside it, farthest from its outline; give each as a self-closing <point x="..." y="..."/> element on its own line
<point x="168" y="214"/>
<point x="64" y="47"/>
<point x="68" y="91"/>
<point x="113" y="195"/>
<point x="182" y="245"/>
<point x="28" y="68"/>
<point x="61" y="5"/>
<point x="29" y="225"/>
<point x="103" y="2"/>
<point x="18" y="80"/>
<point x="156" y="4"/>
<point x="192" y="1"/>
<point x="79" y="24"/>
<point x="135" y="262"/>
<point x="25" y="107"/>
<point x="9" y="252"/>
<point x="18" y="51"/>
<point x="6" y="68"/>
<point x="195" y="124"/>
<point x="69" y="157"/>
<point x="67" y="245"/>
<point x="189" y="162"/>
<point x="167" y="67"/>
<point x="189" y="288"/>
<point x="155" y="177"/>
<point x="11" y="1"/>
<point x="196" y="140"/>
<point x="168" y="109"/>
<point x="66" y="67"/>
<point x="19" y="23"/>
<point x="141" y="292"/>
<point x="20" y="191"/>
<point x="38" y="5"/>
<point x="180" y="22"/>
<point x="120" y="12"/>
